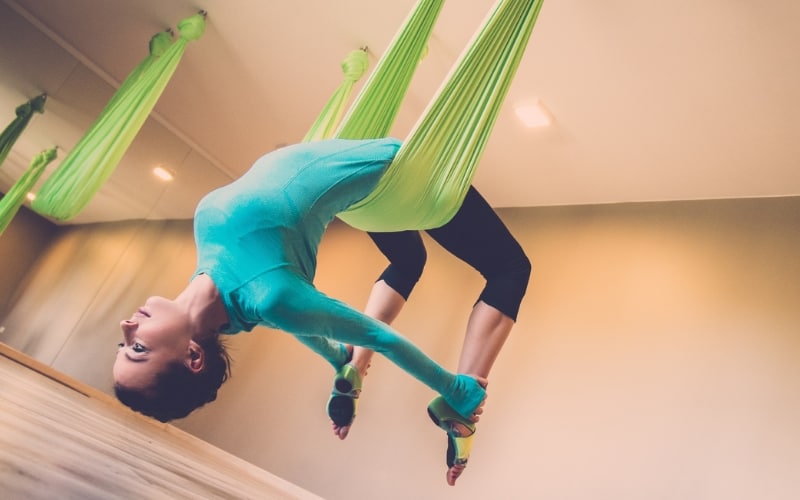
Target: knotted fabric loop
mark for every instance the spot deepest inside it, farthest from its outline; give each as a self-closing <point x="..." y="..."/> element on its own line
<point x="15" y="197"/>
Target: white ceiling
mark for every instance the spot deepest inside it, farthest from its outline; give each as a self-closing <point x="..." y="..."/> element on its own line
<point x="651" y="100"/>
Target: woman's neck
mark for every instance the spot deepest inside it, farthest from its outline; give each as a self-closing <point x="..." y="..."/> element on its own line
<point x="204" y="304"/>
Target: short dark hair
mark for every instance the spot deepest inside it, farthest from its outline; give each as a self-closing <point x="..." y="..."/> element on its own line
<point x="178" y="391"/>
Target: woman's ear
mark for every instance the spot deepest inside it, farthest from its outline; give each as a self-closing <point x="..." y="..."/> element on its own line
<point x="196" y="359"/>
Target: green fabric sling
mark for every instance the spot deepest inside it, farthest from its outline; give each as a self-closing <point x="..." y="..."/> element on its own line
<point x="375" y="108"/>
<point x="353" y="66"/>
<point x="387" y="85"/>
<point x="14" y="129"/>
<point x="87" y="166"/>
<point x="13" y="199"/>
<point x="427" y="181"/>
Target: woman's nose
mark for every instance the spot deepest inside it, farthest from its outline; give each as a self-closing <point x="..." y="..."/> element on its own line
<point x="127" y="326"/>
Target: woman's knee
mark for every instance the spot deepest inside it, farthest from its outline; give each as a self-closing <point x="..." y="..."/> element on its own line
<point x="407" y="257"/>
<point x="506" y="285"/>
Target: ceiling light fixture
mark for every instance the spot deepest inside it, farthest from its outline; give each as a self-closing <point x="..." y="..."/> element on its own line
<point x="30" y="196"/>
<point x="532" y="114"/>
<point x="163" y="174"/>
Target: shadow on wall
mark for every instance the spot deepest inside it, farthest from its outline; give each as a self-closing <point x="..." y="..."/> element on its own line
<point x="21" y="244"/>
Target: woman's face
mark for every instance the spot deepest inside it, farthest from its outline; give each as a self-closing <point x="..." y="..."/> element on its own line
<point x="157" y="334"/>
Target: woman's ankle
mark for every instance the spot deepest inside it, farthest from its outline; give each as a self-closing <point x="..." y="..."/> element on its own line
<point x="361" y="359"/>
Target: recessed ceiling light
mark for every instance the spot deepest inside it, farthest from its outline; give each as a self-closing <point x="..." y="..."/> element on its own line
<point x="30" y="196"/>
<point x="532" y="114"/>
<point x="163" y="174"/>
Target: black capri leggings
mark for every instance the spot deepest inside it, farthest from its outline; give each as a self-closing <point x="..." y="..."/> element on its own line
<point x="477" y="236"/>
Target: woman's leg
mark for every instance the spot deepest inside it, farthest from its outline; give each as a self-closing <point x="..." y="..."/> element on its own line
<point x="477" y="236"/>
<point x="384" y="304"/>
<point x="406" y="254"/>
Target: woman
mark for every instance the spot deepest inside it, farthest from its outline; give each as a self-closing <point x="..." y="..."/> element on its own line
<point x="257" y="240"/>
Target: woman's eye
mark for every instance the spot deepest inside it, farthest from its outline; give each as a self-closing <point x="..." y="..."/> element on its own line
<point x="137" y="347"/>
<point x="120" y="345"/>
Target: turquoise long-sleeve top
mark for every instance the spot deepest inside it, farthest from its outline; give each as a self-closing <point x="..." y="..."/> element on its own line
<point x="257" y="239"/>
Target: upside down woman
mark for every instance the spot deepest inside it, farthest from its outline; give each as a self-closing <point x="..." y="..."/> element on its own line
<point x="257" y="240"/>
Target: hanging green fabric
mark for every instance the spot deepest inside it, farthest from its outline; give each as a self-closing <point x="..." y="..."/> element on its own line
<point x="14" y="130"/>
<point x="429" y="177"/>
<point x="87" y="166"/>
<point x="375" y="108"/>
<point x="158" y="46"/>
<point x="13" y="199"/>
<point x="388" y="83"/>
<point x="354" y="66"/>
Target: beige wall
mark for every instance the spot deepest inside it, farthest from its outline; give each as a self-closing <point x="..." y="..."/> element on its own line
<point x="656" y="356"/>
<point x="20" y="245"/>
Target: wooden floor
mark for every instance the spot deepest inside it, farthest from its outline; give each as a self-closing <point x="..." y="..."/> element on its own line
<point x="59" y="439"/>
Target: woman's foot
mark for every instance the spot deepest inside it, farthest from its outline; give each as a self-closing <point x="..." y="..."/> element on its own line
<point x="460" y="433"/>
<point x="344" y="398"/>
<point x="454" y="472"/>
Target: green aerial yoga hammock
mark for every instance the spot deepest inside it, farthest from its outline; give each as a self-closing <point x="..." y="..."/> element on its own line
<point x="375" y="108"/>
<point x="429" y="177"/>
<point x="84" y="170"/>
<point x="24" y="113"/>
<point x="394" y="70"/>
<point x="15" y="196"/>
<point x="354" y="66"/>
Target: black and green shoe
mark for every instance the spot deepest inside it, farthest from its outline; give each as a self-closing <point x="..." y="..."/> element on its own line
<point x="344" y="397"/>
<point x="459" y="444"/>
